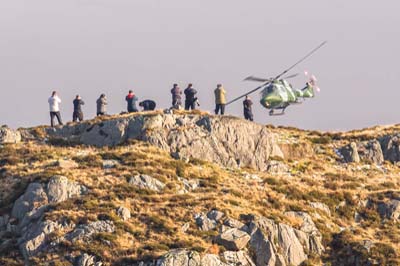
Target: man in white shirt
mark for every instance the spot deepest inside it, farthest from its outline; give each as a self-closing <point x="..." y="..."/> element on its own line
<point x="54" y="104"/>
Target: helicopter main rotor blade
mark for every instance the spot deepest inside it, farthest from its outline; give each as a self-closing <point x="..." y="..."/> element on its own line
<point x="301" y="60"/>
<point x="291" y="76"/>
<point x="250" y="92"/>
<point x="283" y="73"/>
<point x="253" y="78"/>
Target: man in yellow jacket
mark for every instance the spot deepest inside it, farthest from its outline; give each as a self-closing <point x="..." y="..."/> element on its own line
<point x="220" y="99"/>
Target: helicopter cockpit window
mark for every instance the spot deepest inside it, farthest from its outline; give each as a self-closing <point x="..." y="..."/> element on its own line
<point x="270" y="89"/>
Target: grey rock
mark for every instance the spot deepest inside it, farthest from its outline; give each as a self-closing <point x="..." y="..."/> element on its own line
<point x="66" y="164"/>
<point x="9" y="136"/>
<point x="147" y="182"/>
<point x="322" y="207"/>
<point x="390" y="210"/>
<point x="34" y="196"/>
<point x="85" y="232"/>
<point x="350" y="153"/>
<point x="109" y="164"/>
<point x="3" y="222"/>
<point x="180" y="257"/>
<point x="235" y="224"/>
<point x="212" y="260"/>
<point x="253" y="177"/>
<point x="60" y="189"/>
<point x="34" y="240"/>
<point x="308" y="225"/>
<point x="390" y="147"/>
<point x="373" y="152"/>
<point x="277" y="167"/>
<point x="204" y="223"/>
<point x="189" y="184"/>
<point x="124" y="213"/>
<point x="239" y="258"/>
<point x="215" y="215"/>
<point x="233" y="239"/>
<point x="87" y="260"/>
<point x="227" y="141"/>
<point x="280" y="244"/>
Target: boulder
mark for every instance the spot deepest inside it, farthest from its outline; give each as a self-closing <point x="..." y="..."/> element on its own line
<point x="67" y="164"/>
<point x="189" y="184"/>
<point x="235" y="224"/>
<point x="350" y="153"/>
<point x="372" y="152"/>
<point x="87" y="260"/>
<point x="390" y="210"/>
<point x="147" y="182"/>
<point x="9" y="136"/>
<point x="225" y="140"/>
<point x="233" y="239"/>
<point x="3" y="222"/>
<point x="322" y="207"/>
<point x="204" y="223"/>
<point x="60" y="189"/>
<point x="109" y="164"/>
<point x="307" y="225"/>
<point x="239" y="258"/>
<point x="34" y="197"/>
<point x="390" y="145"/>
<point x="280" y="244"/>
<point x="86" y="231"/>
<point x="215" y="215"/>
<point x="277" y="167"/>
<point x="212" y="260"/>
<point x="180" y="257"/>
<point x="124" y="213"/>
<point x="34" y="240"/>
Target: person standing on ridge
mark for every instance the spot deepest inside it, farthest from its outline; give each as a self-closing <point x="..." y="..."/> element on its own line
<point x="131" y="100"/>
<point x="77" y="114"/>
<point x="176" y="97"/>
<point x="54" y="104"/>
<point x="101" y="105"/>
<point x="220" y="99"/>
<point x="247" y="110"/>
<point x="190" y="97"/>
<point x="148" y="105"/>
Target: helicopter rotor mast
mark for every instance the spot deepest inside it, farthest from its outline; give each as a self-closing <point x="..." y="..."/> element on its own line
<point x="281" y="74"/>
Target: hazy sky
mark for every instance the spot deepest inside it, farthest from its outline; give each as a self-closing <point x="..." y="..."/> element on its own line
<point x="110" y="46"/>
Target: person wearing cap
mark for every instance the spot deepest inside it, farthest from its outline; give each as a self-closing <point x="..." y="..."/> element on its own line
<point x="190" y="97"/>
<point x="77" y="115"/>
<point x="101" y="105"/>
<point x="220" y="99"/>
<point x="54" y="104"/>
<point x="131" y="100"/>
<point x="247" y="109"/>
<point x="176" y="97"/>
<point x="148" y="105"/>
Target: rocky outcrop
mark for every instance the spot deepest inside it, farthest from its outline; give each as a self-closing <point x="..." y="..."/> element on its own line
<point x="30" y="207"/>
<point x="350" y="153"/>
<point x="124" y="213"/>
<point x="233" y="239"/>
<point x="204" y="223"/>
<point x="391" y="147"/>
<point x="390" y="210"/>
<point x="239" y="258"/>
<point x="87" y="260"/>
<point x="9" y="136"/>
<point x="86" y="231"/>
<point x="225" y="140"/>
<point x="367" y="151"/>
<point x="147" y="182"/>
<point x="280" y="244"/>
<point x="180" y="257"/>
<point x="321" y="206"/>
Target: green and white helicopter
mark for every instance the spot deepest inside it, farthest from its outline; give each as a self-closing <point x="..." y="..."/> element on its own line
<point x="277" y="93"/>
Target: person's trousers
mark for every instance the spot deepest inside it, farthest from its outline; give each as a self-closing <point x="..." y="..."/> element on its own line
<point x="190" y="105"/>
<point x="55" y="114"/>
<point x="248" y="115"/>
<point x="220" y="108"/>
<point x="77" y="116"/>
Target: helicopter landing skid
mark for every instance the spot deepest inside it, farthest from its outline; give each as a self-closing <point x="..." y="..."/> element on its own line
<point x="271" y="113"/>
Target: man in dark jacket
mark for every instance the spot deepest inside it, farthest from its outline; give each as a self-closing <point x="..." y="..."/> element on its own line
<point x="248" y="113"/>
<point x="78" y="114"/>
<point x="190" y="97"/>
<point x="176" y="97"/>
<point x="131" y="100"/>
<point x="148" y="105"/>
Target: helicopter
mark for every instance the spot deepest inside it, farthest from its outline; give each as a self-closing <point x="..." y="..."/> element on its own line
<point x="277" y="93"/>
